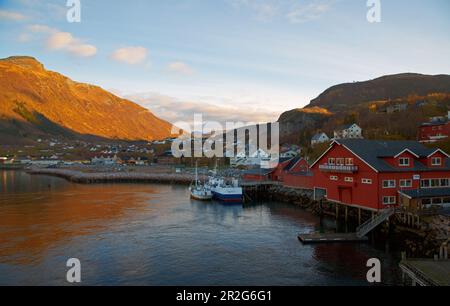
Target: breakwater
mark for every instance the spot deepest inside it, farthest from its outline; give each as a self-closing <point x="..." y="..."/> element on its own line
<point x="116" y="177"/>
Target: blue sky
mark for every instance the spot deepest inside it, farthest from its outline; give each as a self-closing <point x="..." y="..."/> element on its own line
<point x="246" y="60"/>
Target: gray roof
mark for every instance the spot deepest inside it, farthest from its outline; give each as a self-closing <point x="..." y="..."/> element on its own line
<point x="292" y="163"/>
<point x="373" y="151"/>
<point x="258" y="171"/>
<point x="427" y="193"/>
<point x="317" y="136"/>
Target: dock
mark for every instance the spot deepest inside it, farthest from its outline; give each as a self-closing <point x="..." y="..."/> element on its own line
<point x="330" y="238"/>
<point x="426" y="272"/>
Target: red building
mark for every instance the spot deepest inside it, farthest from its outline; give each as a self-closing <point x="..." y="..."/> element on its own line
<point x="298" y="175"/>
<point x="436" y="130"/>
<point x="375" y="175"/>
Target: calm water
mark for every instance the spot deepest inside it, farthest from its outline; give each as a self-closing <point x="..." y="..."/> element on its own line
<point x="154" y="235"/>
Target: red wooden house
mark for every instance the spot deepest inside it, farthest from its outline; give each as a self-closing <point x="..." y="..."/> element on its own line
<point x="436" y="130"/>
<point x="271" y="174"/>
<point x="298" y="175"/>
<point x="375" y="175"/>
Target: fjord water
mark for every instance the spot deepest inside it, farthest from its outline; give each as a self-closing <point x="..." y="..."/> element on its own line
<point x="140" y="234"/>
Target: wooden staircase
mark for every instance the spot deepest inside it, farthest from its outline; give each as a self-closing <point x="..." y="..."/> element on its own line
<point x="368" y="226"/>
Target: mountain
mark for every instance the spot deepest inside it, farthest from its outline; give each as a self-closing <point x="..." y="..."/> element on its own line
<point x="389" y="87"/>
<point x="35" y="101"/>
<point x="359" y="102"/>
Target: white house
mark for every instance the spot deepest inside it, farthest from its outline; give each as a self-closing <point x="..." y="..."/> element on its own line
<point x="319" y="138"/>
<point x="349" y="131"/>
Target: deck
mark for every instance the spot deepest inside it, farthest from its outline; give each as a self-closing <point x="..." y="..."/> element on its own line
<point x="427" y="272"/>
<point x="330" y="238"/>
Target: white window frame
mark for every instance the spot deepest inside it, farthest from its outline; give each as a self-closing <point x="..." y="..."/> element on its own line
<point x="334" y="178"/>
<point x="390" y="186"/>
<point x="404" y="159"/>
<point x="349" y="162"/>
<point x="436" y="164"/>
<point x="366" y="181"/>
<point x="389" y="198"/>
<point x="349" y="179"/>
<point x="402" y="185"/>
<point x="331" y="161"/>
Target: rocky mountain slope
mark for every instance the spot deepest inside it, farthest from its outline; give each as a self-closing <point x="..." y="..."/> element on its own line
<point x="35" y="101"/>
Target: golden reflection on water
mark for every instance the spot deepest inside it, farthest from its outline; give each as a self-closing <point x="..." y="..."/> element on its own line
<point x="32" y="223"/>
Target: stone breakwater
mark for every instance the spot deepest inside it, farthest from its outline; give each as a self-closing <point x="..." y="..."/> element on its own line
<point x="116" y="177"/>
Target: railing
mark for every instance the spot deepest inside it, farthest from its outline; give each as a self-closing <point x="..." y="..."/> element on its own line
<point x="333" y="168"/>
<point x="365" y="228"/>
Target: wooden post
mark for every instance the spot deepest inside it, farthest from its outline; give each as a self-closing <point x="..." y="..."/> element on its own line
<point x="346" y="214"/>
<point x="337" y="211"/>
<point x="359" y="216"/>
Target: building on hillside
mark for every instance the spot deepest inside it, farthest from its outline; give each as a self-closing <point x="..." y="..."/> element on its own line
<point x="349" y="131"/>
<point x="243" y="159"/>
<point x="167" y="158"/>
<point x="375" y="175"/>
<point x="438" y="129"/>
<point x="319" y="138"/>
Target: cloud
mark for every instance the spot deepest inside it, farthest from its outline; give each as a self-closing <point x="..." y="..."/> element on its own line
<point x="308" y="12"/>
<point x="130" y="55"/>
<point x="63" y="41"/>
<point x="294" y="11"/>
<point x="180" y="68"/>
<point x="176" y="110"/>
<point x="13" y="16"/>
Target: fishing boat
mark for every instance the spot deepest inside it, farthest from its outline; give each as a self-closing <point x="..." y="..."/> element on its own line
<point x="225" y="192"/>
<point x="200" y="191"/>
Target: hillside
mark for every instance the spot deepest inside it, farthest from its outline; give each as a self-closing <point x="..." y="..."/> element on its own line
<point x="35" y="101"/>
<point x="343" y="96"/>
<point x="365" y="103"/>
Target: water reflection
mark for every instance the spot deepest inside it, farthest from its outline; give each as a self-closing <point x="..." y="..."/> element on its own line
<point x="154" y="235"/>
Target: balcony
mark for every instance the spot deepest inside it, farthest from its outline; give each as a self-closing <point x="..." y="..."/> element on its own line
<point x="338" y="169"/>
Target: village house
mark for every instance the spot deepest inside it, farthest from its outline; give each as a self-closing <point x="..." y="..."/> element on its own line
<point x="105" y="161"/>
<point x="319" y="138"/>
<point x="438" y="129"/>
<point x="349" y="131"/>
<point x="374" y="175"/>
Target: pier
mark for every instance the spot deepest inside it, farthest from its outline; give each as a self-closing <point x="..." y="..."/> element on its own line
<point x="330" y="238"/>
<point x="426" y="272"/>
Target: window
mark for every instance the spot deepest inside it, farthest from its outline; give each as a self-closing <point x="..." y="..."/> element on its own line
<point x="334" y="178"/>
<point x="389" y="200"/>
<point x="404" y="162"/>
<point x="349" y="161"/>
<point x="331" y="161"/>
<point x="405" y="183"/>
<point x="435" y="183"/>
<point x="349" y="179"/>
<point x="389" y="184"/>
<point x="436" y="161"/>
<point x="426" y="201"/>
<point x="366" y="181"/>
<point x="340" y="161"/>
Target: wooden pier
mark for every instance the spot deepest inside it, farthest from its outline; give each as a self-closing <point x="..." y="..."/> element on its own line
<point x="426" y="272"/>
<point x="330" y="238"/>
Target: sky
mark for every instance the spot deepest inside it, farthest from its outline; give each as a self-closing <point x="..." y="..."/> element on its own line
<point x="231" y="60"/>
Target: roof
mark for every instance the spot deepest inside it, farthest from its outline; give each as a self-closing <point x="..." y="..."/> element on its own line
<point x="345" y="126"/>
<point x="318" y="135"/>
<point x="292" y="163"/>
<point x="373" y="151"/>
<point x="426" y="193"/>
<point x="258" y="171"/>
